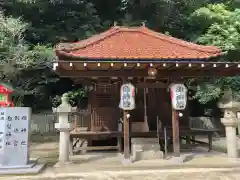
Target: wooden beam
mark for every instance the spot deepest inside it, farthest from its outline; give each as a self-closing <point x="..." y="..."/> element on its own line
<point x="145" y="105"/>
<point x="143" y="73"/>
<point x="151" y="85"/>
<point x="231" y="67"/>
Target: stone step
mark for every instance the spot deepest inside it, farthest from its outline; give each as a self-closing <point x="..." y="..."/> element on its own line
<point x="146" y="148"/>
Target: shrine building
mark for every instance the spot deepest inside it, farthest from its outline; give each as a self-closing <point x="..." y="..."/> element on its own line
<point x="149" y="60"/>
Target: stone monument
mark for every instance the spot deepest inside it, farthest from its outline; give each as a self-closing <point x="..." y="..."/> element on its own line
<point x="230" y="121"/>
<point x="64" y="128"/>
<point x="14" y="146"/>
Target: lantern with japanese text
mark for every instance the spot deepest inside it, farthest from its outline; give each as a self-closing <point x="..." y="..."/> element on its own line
<point x="178" y="96"/>
<point x="127" y="97"/>
<point x="5" y="92"/>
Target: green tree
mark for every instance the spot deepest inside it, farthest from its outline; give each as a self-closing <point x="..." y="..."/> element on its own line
<point x="54" y="21"/>
<point x="162" y="15"/>
<point x="219" y="25"/>
<point x="27" y="69"/>
<point x="12" y="47"/>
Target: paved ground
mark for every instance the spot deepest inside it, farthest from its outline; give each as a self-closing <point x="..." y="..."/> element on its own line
<point x="176" y="174"/>
<point x="220" y="142"/>
<point x="107" y="166"/>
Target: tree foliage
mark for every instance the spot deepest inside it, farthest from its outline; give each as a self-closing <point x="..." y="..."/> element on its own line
<point x="12" y="46"/>
<point x="26" y="68"/>
<point x="30" y="28"/>
<point x="220" y="26"/>
<point x="55" y="21"/>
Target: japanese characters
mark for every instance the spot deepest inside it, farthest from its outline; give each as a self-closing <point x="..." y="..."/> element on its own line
<point x="14" y="125"/>
<point x="127" y="95"/>
<point x="178" y="96"/>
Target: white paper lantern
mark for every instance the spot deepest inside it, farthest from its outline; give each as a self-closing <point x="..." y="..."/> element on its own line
<point x="178" y="96"/>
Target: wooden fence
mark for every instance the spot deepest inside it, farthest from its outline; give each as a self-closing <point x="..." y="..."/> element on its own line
<point x="44" y="123"/>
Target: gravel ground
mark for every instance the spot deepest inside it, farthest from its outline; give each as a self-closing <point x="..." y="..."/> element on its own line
<point x="147" y="175"/>
<point x="48" y="153"/>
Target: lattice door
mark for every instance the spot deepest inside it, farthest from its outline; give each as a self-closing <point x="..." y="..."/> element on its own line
<point x="105" y="113"/>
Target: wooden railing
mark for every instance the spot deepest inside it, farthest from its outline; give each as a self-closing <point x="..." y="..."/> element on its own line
<point x="81" y="120"/>
<point x="105" y="119"/>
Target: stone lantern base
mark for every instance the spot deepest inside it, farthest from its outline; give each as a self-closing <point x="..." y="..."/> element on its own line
<point x="231" y="124"/>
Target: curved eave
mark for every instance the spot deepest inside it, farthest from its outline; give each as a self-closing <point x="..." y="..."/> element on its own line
<point x="62" y="55"/>
<point x="140" y="69"/>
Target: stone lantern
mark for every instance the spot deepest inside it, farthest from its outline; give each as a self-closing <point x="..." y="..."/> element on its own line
<point x="64" y="128"/>
<point x="230" y="121"/>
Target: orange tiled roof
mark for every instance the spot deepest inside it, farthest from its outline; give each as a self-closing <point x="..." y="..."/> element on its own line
<point x="135" y="43"/>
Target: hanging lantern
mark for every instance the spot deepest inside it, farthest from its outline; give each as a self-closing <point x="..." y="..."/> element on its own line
<point x="178" y="96"/>
<point x="127" y="97"/>
<point x="152" y="71"/>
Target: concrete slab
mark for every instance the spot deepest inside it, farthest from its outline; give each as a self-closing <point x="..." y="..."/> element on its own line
<point x="18" y="167"/>
<point x="22" y="170"/>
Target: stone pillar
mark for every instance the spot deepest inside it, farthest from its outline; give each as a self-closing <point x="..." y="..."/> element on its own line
<point x="230" y="122"/>
<point x="238" y="127"/>
<point x="64" y="127"/>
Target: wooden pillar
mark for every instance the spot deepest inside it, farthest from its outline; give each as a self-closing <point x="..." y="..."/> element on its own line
<point x="175" y="127"/>
<point x="119" y="138"/>
<point x="126" y="132"/>
<point x="175" y="131"/>
<point x="145" y="105"/>
<point x="126" y="135"/>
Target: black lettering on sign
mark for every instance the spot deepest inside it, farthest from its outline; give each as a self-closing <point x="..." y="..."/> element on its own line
<point x="16" y="118"/>
<point x="23" y="143"/>
<point x="9" y="118"/>
<point x="8" y="143"/>
<point x="9" y="134"/>
<point x="9" y="126"/>
<point x="2" y="113"/>
<point x="2" y="118"/>
<point x="24" y="118"/>
<point x="15" y="143"/>
<point x="23" y="130"/>
<point x="16" y="130"/>
<point x="180" y="104"/>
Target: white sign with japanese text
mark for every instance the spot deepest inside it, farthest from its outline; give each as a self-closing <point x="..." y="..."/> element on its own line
<point x="14" y="125"/>
<point x="178" y="96"/>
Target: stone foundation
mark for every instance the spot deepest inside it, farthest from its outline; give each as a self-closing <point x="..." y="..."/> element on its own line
<point x="81" y="146"/>
<point x="145" y="149"/>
